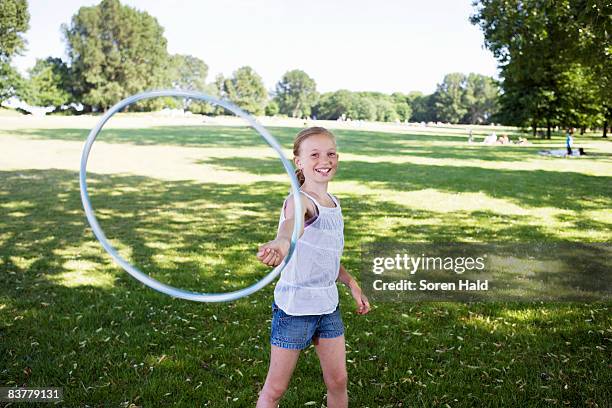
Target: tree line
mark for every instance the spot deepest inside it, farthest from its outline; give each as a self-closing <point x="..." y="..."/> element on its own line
<point x="114" y="51"/>
<point x="555" y="59"/>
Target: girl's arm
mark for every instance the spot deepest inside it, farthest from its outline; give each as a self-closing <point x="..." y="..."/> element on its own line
<point x="273" y="252"/>
<point x="346" y="278"/>
<point x="363" y="305"/>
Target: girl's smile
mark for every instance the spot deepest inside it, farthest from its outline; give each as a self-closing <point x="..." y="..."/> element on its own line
<point x="318" y="158"/>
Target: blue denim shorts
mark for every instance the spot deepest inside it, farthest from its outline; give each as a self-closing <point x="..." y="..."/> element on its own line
<point x="296" y="332"/>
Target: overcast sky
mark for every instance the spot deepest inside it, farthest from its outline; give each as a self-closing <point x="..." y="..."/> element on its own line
<point x="386" y="46"/>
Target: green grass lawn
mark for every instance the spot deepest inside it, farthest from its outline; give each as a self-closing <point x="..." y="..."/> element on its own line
<point x="190" y="205"/>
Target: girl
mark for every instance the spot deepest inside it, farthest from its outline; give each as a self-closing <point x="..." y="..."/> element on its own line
<point x="305" y="306"/>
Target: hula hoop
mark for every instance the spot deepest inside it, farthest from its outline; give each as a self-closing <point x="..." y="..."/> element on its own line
<point x="134" y="271"/>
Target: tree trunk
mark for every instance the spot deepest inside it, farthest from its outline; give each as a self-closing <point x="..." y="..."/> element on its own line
<point x="582" y="130"/>
<point x="535" y="129"/>
<point x="605" y="130"/>
<point x="548" y="128"/>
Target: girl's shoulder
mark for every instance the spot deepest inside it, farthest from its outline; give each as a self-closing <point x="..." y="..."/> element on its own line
<point x="308" y="206"/>
<point x="327" y="201"/>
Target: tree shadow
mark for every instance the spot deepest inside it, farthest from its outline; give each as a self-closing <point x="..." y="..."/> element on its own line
<point x="533" y="188"/>
<point x="367" y="143"/>
<point x="112" y="342"/>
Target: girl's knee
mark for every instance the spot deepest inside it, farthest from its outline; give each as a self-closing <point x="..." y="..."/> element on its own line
<point x="273" y="392"/>
<point x="336" y="381"/>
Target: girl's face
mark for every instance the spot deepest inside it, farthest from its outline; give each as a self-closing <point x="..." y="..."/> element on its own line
<point x="318" y="158"/>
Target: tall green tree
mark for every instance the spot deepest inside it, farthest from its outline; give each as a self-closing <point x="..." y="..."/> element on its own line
<point x="14" y="22"/>
<point x="449" y="98"/>
<point x="422" y="106"/>
<point x="578" y="89"/>
<point x="296" y="93"/>
<point x="537" y="44"/>
<point x="114" y="51"/>
<point x="11" y="82"/>
<point x="385" y="110"/>
<point x="49" y="83"/>
<point x="246" y="89"/>
<point x="362" y="107"/>
<point x="332" y="105"/>
<point x="524" y="101"/>
<point x="402" y="105"/>
<point x="480" y="99"/>
<point x="523" y="37"/>
<point x="187" y="72"/>
<point x="590" y="31"/>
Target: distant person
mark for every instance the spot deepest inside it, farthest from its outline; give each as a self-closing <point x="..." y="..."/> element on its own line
<point x="569" y="140"/>
<point x="470" y="137"/>
<point x="491" y="139"/>
<point x="503" y="139"/>
<point x="523" y="141"/>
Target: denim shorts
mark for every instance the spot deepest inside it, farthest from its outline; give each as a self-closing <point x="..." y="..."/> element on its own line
<point x="296" y="332"/>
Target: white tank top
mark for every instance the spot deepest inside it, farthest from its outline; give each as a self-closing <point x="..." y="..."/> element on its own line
<point x="307" y="286"/>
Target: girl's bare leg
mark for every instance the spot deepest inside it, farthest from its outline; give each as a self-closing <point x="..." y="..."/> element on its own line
<point x="282" y="363"/>
<point x="332" y="355"/>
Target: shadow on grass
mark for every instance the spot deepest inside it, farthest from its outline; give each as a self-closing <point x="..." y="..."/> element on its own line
<point x="366" y="143"/>
<point x="117" y="343"/>
<point x="533" y="188"/>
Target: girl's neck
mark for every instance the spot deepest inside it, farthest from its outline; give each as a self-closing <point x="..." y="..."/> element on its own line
<point x="320" y="189"/>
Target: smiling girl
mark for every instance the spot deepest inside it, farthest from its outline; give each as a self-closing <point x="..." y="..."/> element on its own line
<point x="305" y="307"/>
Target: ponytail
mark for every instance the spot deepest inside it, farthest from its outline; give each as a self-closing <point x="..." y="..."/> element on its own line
<point x="300" y="176"/>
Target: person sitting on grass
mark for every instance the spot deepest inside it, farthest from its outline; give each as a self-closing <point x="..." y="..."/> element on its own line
<point x="490" y="139"/>
<point x="523" y="141"/>
<point x="503" y="139"/>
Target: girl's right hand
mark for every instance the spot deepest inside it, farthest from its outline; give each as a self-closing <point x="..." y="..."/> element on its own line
<point x="273" y="253"/>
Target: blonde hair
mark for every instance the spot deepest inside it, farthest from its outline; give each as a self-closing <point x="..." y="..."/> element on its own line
<point x="303" y="135"/>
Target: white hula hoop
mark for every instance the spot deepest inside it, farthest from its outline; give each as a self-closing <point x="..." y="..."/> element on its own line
<point x="135" y="272"/>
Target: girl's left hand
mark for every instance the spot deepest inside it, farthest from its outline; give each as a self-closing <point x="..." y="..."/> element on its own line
<point x="363" y="306"/>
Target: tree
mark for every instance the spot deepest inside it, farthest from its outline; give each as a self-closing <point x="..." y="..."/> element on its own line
<point x="579" y="97"/>
<point x="480" y="99"/>
<point x="591" y="24"/>
<point x="385" y="111"/>
<point x="362" y="107"/>
<point x="449" y="99"/>
<point x="537" y="44"/>
<point x="14" y="22"/>
<point x="187" y="72"/>
<point x="402" y="106"/>
<point x="246" y="89"/>
<point x="11" y="82"/>
<point x="332" y="105"/>
<point x="272" y="108"/>
<point x="296" y="93"/>
<point x="49" y="83"/>
<point x="523" y="36"/>
<point x="422" y="106"/>
<point x="114" y="51"/>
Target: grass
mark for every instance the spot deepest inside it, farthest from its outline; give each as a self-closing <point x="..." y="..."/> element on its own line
<point x="192" y="212"/>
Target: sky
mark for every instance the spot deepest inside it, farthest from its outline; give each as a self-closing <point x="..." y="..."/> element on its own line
<point x="360" y="45"/>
